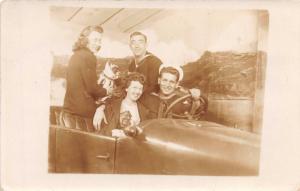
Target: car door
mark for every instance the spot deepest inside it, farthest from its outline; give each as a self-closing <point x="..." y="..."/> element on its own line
<point x="145" y="154"/>
<point x="136" y="156"/>
<point x="76" y="151"/>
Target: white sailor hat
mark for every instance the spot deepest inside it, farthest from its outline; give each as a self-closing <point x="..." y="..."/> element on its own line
<point x="178" y="68"/>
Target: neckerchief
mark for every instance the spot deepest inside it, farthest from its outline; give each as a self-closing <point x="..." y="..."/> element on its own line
<point x="142" y="60"/>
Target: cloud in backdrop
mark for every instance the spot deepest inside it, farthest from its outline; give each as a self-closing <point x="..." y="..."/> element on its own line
<point x="173" y="52"/>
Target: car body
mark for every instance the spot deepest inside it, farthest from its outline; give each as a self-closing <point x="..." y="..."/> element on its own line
<point x="165" y="146"/>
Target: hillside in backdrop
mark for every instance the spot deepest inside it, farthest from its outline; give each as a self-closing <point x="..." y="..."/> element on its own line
<point x="225" y="74"/>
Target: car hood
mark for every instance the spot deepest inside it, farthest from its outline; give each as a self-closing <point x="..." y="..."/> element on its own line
<point x="205" y="139"/>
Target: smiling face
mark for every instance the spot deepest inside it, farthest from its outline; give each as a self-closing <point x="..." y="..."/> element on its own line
<point x="138" y="45"/>
<point x="134" y="90"/>
<point x="94" y="41"/>
<point x="168" y="83"/>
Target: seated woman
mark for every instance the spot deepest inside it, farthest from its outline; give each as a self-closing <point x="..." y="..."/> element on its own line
<point x="126" y="111"/>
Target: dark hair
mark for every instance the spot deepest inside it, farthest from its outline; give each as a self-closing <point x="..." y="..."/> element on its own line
<point x="135" y="76"/>
<point x="82" y="40"/>
<point x="137" y="33"/>
<point x="170" y="70"/>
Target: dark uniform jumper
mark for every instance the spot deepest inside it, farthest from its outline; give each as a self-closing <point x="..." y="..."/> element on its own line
<point x="179" y="104"/>
<point x="148" y="66"/>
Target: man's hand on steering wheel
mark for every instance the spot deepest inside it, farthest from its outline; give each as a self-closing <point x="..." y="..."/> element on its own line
<point x="195" y="93"/>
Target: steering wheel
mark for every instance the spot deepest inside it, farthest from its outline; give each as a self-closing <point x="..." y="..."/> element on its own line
<point x="191" y="113"/>
<point x="174" y="103"/>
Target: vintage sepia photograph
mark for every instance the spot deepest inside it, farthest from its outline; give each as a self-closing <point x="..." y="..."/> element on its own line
<point x="157" y="91"/>
<point x="150" y="95"/>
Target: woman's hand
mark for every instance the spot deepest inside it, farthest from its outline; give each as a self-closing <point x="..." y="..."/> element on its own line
<point x="118" y="133"/>
<point x="98" y="117"/>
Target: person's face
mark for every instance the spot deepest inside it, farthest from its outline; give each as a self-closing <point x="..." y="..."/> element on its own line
<point x="135" y="90"/>
<point x="167" y="83"/>
<point x="138" y="45"/>
<point x="94" y="41"/>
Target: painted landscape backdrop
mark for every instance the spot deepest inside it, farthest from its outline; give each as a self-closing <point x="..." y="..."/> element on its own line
<point x="233" y="83"/>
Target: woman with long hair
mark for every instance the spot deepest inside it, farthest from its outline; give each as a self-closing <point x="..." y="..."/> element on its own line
<point x="82" y="89"/>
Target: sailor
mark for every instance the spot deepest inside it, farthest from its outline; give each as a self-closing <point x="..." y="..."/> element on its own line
<point x="172" y="100"/>
<point x="144" y="62"/>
